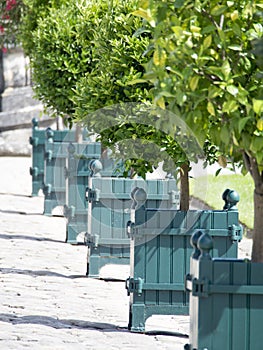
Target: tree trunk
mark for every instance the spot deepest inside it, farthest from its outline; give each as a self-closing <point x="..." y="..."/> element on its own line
<point x="257" y="175"/>
<point x="257" y="251"/>
<point x="184" y="188"/>
<point x="78" y="133"/>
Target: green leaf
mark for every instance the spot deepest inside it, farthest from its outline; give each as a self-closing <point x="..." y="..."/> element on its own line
<point x="208" y="29"/>
<point x="207" y="42"/>
<point x="230" y="106"/>
<point x="234" y="15"/>
<point x="210" y="108"/>
<point x="236" y="143"/>
<point x="224" y="134"/>
<point x="144" y="4"/>
<point x="218" y="171"/>
<point x="218" y="10"/>
<point x="159" y="57"/>
<point x="226" y="69"/>
<point x="178" y="31"/>
<point x="214" y="91"/>
<point x="136" y="81"/>
<point x="260" y="124"/>
<point x="236" y="29"/>
<point x="194" y="83"/>
<point x="258" y="106"/>
<point x="160" y="102"/>
<point x="145" y="14"/>
<point x="178" y="3"/>
<point x="217" y="71"/>
<point x="256" y="144"/>
<point x="235" y="47"/>
<point x="232" y="89"/>
<point x="242" y="123"/>
<point x="180" y="97"/>
<point x="166" y="94"/>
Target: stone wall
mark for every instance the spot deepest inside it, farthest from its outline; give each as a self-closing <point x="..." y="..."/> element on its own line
<point x="16" y="69"/>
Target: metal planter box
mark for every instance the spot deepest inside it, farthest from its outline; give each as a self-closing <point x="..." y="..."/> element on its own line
<point x="226" y="302"/>
<point x="37" y="141"/>
<point x="160" y="257"/>
<point x="109" y="210"/>
<point x="77" y="173"/>
<point x="56" y="154"/>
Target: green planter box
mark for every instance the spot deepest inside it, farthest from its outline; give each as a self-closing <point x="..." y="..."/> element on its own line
<point x="77" y="174"/>
<point x="226" y="302"/>
<point x="160" y="256"/>
<point x="109" y="210"/>
<point x="56" y="154"/>
<point x="37" y="141"/>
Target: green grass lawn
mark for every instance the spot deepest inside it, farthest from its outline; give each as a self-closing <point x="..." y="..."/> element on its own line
<point x="209" y="189"/>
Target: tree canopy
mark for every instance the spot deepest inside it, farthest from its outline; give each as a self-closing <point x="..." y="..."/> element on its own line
<point x="204" y="69"/>
<point x="89" y="55"/>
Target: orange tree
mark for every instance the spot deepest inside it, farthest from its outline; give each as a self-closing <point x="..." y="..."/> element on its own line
<point x="91" y="55"/>
<point x="204" y="68"/>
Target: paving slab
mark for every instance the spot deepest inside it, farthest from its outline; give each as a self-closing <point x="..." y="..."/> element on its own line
<point x="46" y="300"/>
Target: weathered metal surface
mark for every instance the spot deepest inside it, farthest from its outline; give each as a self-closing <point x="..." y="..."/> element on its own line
<point x="56" y="154"/>
<point x="226" y="301"/>
<point x="109" y="210"/>
<point x="77" y="173"/>
<point x="160" y="256"/>
<point x="37" y="140"/>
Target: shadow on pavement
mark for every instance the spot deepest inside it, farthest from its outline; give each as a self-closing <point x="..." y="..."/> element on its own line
<point x="15" y="195"/>
<point x="31" y="238"/>
<point x="20" y="212"/>
<point x="68" y="323"/>
<point x="57" y="323"/>
<point x="38" y="273"/>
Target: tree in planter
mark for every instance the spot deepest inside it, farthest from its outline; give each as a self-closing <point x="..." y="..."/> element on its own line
<point x="58" y="60"/>
<point x="90" y="55"/>
<point x="121" y="49"/>
<point x="204" y="69"/>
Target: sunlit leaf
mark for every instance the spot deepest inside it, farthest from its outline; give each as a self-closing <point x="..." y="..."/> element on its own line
<point x="234" y="15"/>
<point x="260" y="124"/>
<point x="207" y="42"/>
<point x="145" y="14"/>
<point x="235" y="47"/>
<point x="230" y="106"/>
<point x="194" y="82"/>
<point x="159" y="57"/>
<point x="232" y="89"/>
<point x="178" y="31"/>
<point x="258" y="106"/>
<point x="226" y="69"/>
<point x="160" y="102"/>
<point x="210" y="108"/>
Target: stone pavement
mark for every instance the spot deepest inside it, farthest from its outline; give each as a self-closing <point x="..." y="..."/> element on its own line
<point x="46" y="301"/>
